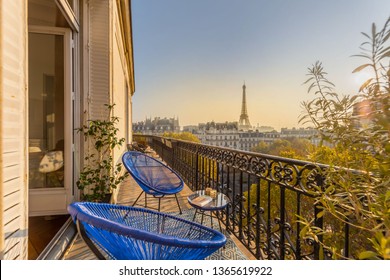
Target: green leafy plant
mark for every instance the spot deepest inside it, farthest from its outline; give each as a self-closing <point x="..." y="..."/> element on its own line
<point x="100" y="175"/>
<point x="355" y="133"/>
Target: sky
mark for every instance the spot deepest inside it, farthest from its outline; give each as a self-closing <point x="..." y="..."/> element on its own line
<point x="191" y="57"/>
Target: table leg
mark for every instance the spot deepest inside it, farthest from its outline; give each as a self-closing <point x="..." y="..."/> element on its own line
<point x="193" y="218"/>
<point x="219" y="222"/>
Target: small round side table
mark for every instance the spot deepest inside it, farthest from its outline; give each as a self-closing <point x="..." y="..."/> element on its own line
<point x="216" y="204"/>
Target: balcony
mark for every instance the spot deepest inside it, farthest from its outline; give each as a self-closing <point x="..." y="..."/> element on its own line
<point x="268" y="196"/>
<point x="128" y="193"/>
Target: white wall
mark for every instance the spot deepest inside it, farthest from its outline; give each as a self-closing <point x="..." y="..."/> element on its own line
<point x="119" y="82"/>
<point x="108" y="65"/>
<point x="13" y="130"/>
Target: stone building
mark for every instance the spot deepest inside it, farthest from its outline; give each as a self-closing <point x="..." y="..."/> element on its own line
<point x="157" y="126"/>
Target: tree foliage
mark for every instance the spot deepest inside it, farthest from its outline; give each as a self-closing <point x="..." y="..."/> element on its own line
<point x="187" y="136"/>
<point x="297" y="148"/>
<point x="358" y="127"/>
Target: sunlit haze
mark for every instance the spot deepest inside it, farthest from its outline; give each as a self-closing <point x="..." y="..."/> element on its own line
<point x="192" y="57"/>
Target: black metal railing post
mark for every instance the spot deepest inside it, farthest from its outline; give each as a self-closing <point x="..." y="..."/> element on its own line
<point x="269" y="236"/>
<point x="240" y="216"/>
<point x="228" y="191"/>
<point x="174" y="153"/>
<point x="196" y="187"/>
<point x="258" y="209"/>
<point x="298" y="232"/>
<point x="319" y="223"/>
<point x="282" y="223"/>
<point x="319" y="220"/>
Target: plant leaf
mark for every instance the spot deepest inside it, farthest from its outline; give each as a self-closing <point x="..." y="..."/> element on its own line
<point x="386" y="54"/>
<point x="365" y="84"/>
<point x="361" y="67"/>
<point x="368" y="255"/>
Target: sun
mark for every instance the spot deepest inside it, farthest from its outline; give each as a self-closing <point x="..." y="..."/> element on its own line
<point x="359" y="78"/>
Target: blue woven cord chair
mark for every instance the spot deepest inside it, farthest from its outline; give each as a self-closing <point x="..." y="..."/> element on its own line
<point x="126" y="232"/>
<point x="154" y="177"/>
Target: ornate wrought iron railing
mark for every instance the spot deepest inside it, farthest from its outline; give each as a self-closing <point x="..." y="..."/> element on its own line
<point x="269" y="196"/>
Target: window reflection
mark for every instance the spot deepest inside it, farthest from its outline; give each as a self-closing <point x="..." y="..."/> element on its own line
<point x="46" y="110"/>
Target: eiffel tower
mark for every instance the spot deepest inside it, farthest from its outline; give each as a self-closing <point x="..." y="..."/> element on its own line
<point x="244" y="123"/>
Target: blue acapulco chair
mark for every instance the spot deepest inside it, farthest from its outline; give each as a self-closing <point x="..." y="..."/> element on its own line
<point x="154" y="177"/>
<point x="131" y="233"/>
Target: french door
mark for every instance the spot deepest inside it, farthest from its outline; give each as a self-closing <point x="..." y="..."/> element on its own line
<point x="50" y="120"/>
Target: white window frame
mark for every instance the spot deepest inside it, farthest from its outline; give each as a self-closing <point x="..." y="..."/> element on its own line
<point x="51" y="193"/>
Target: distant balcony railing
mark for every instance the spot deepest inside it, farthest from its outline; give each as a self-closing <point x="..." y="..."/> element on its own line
<point x="269" y="195"/>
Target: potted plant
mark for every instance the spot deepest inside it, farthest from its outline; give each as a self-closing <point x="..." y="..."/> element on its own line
<point x="100" y="175"/>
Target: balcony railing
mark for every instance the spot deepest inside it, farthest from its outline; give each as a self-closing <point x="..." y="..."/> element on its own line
<point x="269" y="196"/>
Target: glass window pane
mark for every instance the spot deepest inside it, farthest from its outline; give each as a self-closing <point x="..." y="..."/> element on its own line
<point x="46" y="110"/>
<point x="45" y="13"/>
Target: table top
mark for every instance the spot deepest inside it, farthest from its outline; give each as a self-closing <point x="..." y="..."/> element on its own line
<point x="217" y="203"/>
